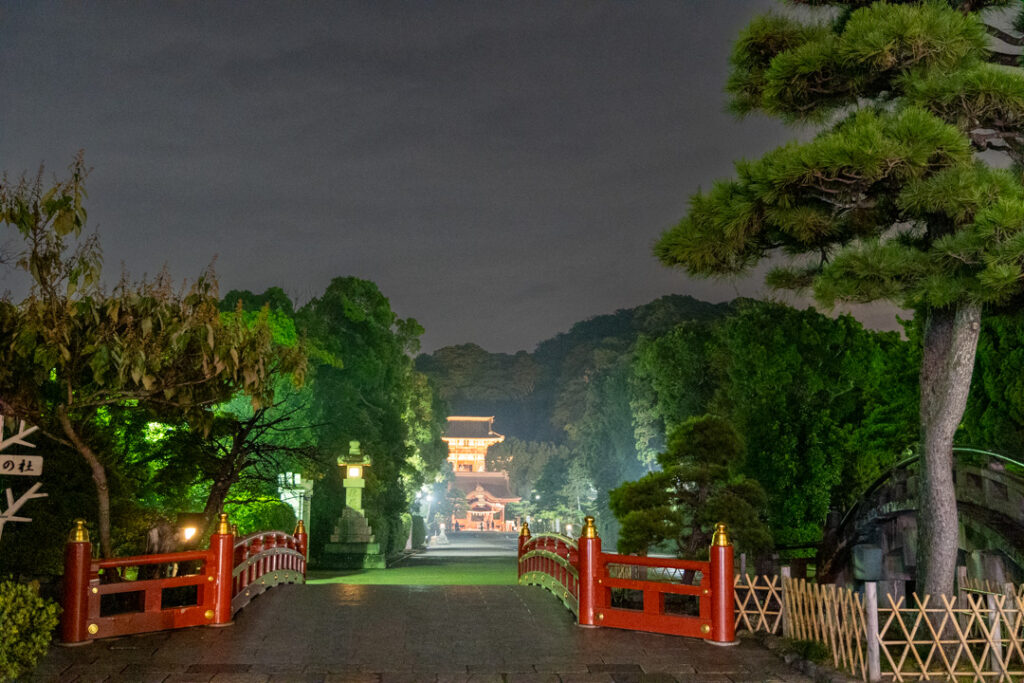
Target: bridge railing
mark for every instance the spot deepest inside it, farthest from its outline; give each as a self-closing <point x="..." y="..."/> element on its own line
<point x="584" y="578"/>
<point x="551" y="561"/>
<point x="214" y="584"/>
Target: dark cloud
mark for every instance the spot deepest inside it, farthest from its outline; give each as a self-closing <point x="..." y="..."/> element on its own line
<point x="500" y="169"/>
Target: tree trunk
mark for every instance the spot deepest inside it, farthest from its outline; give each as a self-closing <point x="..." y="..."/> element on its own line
<point x="215" y="501"/>
<point x="947" y="363"/>
<point x="99" y="477"/>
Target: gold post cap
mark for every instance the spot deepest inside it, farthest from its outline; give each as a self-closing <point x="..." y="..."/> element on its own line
<point x="589" y="530"/>
<point x="721" y="536"/>
<point x="234" y="529"/>
<point x="79" y="534"/>
<point x="300" y="528"/>
<point x="524" y="530"/>
<point x="222" y="526"/>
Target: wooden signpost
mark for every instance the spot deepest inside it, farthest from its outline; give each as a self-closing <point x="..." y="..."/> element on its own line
<point x="20" y="466"/>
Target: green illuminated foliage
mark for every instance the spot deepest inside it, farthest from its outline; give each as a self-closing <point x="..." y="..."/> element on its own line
<point x="72" y="349"/>
<point x="698" y="486"/>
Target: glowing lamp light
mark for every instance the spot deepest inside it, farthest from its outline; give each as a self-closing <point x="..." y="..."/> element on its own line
<point x="188" y="525"/>
<point x="355" y="471"/>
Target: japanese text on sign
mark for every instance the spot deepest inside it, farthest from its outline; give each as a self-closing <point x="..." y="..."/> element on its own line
<point x="21" y="465"/>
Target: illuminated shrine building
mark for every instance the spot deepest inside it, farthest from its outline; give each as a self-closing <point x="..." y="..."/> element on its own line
<point x="468" y="439"/>
<point x="487" y="493"/>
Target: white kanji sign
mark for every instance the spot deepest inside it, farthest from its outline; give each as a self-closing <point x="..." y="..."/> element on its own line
<point x="18" y="465"/>
<point x="21" y="465"/>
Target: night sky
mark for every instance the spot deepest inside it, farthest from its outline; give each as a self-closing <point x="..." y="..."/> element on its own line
<point x="500" y="169"/>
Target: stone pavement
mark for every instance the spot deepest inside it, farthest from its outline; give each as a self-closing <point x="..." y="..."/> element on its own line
<point x="337" y="632"/>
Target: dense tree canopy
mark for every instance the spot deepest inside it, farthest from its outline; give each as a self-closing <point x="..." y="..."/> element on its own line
<point x="889" y="201"/>
<point x="366" y="389"/>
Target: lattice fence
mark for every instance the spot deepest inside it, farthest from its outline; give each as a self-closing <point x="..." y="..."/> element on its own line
<point x="828" y="614"/>
<point x="978" y="637"/>
<point x="758" y="603"/>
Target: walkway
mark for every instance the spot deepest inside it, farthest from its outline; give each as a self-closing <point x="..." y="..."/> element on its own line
<point x="334" y="632"/>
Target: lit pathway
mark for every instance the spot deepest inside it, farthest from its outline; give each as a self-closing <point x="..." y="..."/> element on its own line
<point x="339" y="632"/>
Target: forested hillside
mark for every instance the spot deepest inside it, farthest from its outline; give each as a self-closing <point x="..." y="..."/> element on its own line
<point x="820" y="405"/>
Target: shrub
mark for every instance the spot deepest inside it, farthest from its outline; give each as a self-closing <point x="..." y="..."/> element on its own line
<point x="26" y="624"/>
<point x="419" y="532"/>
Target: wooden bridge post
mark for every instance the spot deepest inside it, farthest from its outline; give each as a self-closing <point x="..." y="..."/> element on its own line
<point x="723" y="623"/>
<point x="77" y="562"/>
<point x="222" y="552"/>
<point x="524" y="538"/>
<point x="590" y="564"/>
<point x="302" y="540"/>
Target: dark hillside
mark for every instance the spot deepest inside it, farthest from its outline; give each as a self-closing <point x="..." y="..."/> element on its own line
<point x="522" y="390"/>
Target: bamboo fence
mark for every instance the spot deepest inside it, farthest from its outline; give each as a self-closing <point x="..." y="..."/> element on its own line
<point x="978" y="637"/>
<point x="758" y="603"/>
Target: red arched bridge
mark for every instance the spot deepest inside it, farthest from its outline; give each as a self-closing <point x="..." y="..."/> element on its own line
<point x="229" y="574"/>
<point x="657" y="595"/>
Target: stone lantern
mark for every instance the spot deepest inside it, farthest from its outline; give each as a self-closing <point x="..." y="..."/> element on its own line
<point x="352" y="545"/>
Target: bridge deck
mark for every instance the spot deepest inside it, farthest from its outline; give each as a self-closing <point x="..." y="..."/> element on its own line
<point x="340" y="632"/>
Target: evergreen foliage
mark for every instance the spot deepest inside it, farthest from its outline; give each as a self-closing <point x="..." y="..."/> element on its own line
<point x="889" y="201"/>
<point x="26" y="624"/>
<point x="698" y="486"/>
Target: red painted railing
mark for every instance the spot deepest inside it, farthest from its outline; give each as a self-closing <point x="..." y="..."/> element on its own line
<point x="583" y="578"/>
<point x="217" y="583"/>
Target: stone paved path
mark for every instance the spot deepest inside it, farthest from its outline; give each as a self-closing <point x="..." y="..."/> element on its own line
<point x="337" y="632"/>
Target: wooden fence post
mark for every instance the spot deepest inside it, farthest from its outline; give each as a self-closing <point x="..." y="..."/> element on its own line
<point x="723" y="601"/>
<point x="77" y="562"/>
<point x="222" y="551"/>
<point x="787" y="626"/>
<point x="590" y="563"/>
<point x="871" y="631"/>
<point x="995" y="626"/>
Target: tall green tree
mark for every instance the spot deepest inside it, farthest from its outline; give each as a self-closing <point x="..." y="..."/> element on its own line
<point x="890" y="201"/>
<point x="365" y="389"/>
<point x="70" y="349"/>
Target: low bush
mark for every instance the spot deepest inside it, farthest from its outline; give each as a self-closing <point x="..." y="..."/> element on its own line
<point x="26" y="627"/>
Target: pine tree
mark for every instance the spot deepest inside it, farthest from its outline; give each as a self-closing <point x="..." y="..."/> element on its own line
<point x="892" y="200"/>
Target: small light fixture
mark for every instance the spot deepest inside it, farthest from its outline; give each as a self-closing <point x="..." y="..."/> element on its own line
<point x="188" y="525"/>
<point x="355" y="471"/>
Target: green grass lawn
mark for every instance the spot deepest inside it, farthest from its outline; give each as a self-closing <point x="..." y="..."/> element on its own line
<point x="469" y="571"/>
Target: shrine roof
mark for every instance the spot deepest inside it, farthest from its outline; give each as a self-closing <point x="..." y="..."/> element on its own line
<point x="471" y="428"/>
<point x="494" y="484"/>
